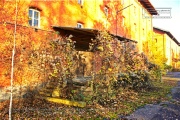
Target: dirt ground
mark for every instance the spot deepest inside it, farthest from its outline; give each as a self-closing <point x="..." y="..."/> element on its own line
<point x="169" y="110"/>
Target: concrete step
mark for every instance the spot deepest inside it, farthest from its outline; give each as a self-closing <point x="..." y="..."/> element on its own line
<point x="46" y="90"/>
<point x="52" y="84"/>
<point x="63" y="101"/>
<point x="66" y="102"/>
<point x="45" y="94"/>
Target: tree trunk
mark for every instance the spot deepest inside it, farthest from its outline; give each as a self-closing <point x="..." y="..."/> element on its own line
<point x="12" y="64"/>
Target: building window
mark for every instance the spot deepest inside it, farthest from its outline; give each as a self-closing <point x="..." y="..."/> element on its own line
<point x="79" y="25"/>
<point x="143" y="31"/>
<point x="143" y="12"/>
<point x="156" y="40"/>
<point x="106" y="10"/>
<point x="149" y="22"/>
<point x="34" y="17"/>
<point x="135" y="27"/>
<point x="135" y="31"/>
<point x="123" y="21"/>
<point x="80" y="2"/>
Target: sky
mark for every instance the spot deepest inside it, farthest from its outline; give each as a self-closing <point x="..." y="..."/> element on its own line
<point x="171" y="24"/>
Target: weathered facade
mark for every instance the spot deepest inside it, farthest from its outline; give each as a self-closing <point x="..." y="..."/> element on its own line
<point x="38" y="20"/>
<point x="168" y="44"/>
<point x="131" y="19"/>
<point x="137" y="20"/>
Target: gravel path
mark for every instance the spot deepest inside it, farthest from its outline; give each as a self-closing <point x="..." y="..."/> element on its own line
<point x="169" y="110"/>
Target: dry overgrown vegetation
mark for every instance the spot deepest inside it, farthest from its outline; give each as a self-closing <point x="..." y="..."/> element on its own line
<point x="122" y="104"/>
<point x="122" y="80"/>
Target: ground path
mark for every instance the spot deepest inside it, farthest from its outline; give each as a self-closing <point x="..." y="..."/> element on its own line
<point x="169" y="110"/>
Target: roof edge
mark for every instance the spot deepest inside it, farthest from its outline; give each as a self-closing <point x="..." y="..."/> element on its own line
<point x="169" y="34"/>
<point x="149" y="7"/>
<point x="121" y="38"/>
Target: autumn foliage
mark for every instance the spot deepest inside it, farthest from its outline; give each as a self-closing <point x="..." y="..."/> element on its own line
<point x="26" y="48"/>
<point x="117" y="64"/>
<point x="96" y="76"/>
<point x="43" y="56"/>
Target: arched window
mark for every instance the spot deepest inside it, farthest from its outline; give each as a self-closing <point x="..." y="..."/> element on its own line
<point x="106" y="11"/>
<point x="34" y="17"/>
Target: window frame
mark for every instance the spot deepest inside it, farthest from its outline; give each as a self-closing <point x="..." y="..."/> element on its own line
<point x="156" y="40"/>
<point x="80" y="2"/>
<point x="123" y="21"/>
<point x="143" y="31"/>
<point x="135" y="27"/>
<point x="106" y="11"/>
<point x="32" y="17"/>
<point x="79" y="24"/>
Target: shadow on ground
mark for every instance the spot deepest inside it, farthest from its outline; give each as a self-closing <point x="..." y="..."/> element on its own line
<point x="169" y="110"/>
